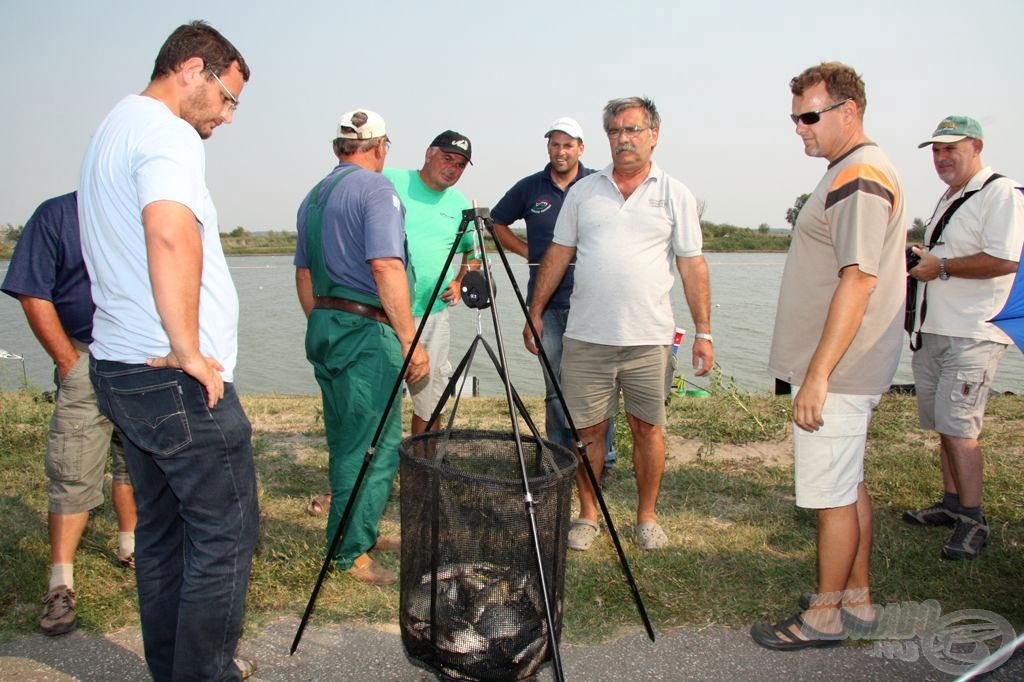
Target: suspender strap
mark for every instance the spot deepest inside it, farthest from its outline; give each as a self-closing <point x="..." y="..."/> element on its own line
<point x="318" y="196"/>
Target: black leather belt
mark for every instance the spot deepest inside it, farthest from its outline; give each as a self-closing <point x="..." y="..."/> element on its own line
<point x="354" y="307"/>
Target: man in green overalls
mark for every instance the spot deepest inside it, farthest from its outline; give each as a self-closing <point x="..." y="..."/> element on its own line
<point x="350" y="274"/>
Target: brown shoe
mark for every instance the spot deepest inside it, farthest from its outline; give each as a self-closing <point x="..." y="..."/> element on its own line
<point x="368" y="571"/>
<point x="58" y="611"/>
<point x="387" y="543"/>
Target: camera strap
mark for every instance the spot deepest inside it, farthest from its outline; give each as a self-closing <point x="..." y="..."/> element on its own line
<point x="915" y="335"/>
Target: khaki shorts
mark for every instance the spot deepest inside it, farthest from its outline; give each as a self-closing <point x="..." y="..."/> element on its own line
<point x="436" y="340"/>
<point x="593" y="375"/>
<point x="829" y="463"/>
<point x="952" y="376"/>
<point x="79" y="439"/>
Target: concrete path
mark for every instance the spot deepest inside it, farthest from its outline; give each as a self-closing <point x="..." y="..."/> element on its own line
<point x="352" y="652"/>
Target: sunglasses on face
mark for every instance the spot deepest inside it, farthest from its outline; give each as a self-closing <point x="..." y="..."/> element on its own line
<point x="809" y="118"/>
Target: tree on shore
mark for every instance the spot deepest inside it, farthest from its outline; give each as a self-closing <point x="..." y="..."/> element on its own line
<point x="916" y="232"/>
<point x="793" y="212"/>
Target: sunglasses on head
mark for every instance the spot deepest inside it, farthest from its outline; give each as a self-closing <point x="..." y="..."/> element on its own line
<point x="809" y="118"/>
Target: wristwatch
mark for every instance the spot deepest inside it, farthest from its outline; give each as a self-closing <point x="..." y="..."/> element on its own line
<point x="943" y="275"/>
<point x="706" y="337"/>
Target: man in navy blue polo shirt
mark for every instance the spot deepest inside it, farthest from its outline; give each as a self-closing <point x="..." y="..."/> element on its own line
<point x="49" y="279"/>
<point x="537" y="199"/>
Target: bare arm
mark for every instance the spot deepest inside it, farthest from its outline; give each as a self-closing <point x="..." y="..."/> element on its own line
<point x="304" y="288"/>
<point x="42" y="319"/>
<point x="845" y="313"/>
<point x="174" y="250"/>
<point x="509" y="241"/>
<point x="549" y="276"/>
<point x="697" y="289"/>
<point x="393" y="290"/>
<point x="979" y="266"/>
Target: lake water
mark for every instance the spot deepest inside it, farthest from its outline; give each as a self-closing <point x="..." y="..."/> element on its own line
<point x="271" y="356"/>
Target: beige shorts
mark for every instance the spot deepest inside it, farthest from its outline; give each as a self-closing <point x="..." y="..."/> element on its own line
<point x="952" y="376"/>
<point x="829" y="463"/>
<point x="436" y="340"/>
<point x="79" y="440"/>
<point x="593" y="375"/>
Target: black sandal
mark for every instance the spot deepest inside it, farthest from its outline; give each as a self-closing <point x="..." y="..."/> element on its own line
<point x="780" y="636"/>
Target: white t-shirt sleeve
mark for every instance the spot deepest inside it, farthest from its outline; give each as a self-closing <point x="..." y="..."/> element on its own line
<point x="166" y="170"/>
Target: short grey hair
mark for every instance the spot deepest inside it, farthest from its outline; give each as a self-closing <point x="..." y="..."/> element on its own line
<point x="344" y="146"/>
<point x="615" y="106"/>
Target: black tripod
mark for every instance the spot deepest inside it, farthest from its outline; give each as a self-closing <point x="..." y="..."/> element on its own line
<point x="477" y="292"/>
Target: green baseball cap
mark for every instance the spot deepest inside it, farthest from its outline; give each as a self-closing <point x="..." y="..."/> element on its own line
<point x="954" y="129"/>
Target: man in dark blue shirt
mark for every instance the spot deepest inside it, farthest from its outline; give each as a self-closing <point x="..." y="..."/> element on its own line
<point x="48" y="276"/>
<point x="537" y="199"/>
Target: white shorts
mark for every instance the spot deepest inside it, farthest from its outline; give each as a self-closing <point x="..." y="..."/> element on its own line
<point x="436" y="340"/>
<point x="829" y="463"/>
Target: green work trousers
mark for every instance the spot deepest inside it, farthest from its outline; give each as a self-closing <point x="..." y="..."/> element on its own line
<point x="356" y="361"/>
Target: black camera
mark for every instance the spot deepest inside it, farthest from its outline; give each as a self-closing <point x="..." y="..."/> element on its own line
<point x="912" y="259"/>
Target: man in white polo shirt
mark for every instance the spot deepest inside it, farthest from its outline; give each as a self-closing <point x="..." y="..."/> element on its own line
<point x="626" y="225"/>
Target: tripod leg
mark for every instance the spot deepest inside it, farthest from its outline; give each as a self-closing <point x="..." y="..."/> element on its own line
<point x="637" y="599"/>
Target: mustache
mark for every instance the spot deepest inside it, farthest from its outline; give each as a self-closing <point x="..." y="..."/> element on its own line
<point x="625" y="147"/>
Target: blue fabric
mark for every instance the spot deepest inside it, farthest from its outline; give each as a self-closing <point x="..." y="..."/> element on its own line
<point x="556" y="425"/>
<point x="47" y="264"/>
<point x="195" y="487"/>
<point x="358" y="227"/>
<point x="538" y="200"/>
<point x="1011" y="318"/>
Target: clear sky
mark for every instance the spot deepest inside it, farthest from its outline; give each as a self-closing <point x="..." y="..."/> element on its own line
<point x="500" y="73"/>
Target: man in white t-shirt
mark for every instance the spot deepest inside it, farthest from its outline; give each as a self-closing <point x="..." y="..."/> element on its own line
<point x="967" y="275"/>
<point x="164" y="349"/>
<point x="627" y="224"/>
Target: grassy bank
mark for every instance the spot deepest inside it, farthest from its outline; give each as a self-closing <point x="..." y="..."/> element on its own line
<point x="739" y="550"/>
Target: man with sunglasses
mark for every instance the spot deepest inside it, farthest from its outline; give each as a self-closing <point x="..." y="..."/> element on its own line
<point x="627" y="224"/>
<point x="837" y="340"/>
<point x="969" y="271"/>
<point x="164" y="349"/>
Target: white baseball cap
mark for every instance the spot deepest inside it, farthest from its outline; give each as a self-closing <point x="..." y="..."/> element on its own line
<point x="566" y="125"/>
<point x="370" y="125"/>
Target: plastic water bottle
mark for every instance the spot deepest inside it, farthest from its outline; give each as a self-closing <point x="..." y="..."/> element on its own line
<point x="678" y="374"/>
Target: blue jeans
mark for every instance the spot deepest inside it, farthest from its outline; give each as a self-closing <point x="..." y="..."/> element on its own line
<point x="556" y="425"/>
<point x="195" y="488"/>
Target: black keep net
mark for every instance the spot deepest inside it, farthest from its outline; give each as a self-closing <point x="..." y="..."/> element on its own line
<point x="471" y="604"/>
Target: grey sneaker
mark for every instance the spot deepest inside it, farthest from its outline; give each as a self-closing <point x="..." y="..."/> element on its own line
<point x="969" y="538"/>
<point x="935" y="515"/>
<point x="58" y="611"/>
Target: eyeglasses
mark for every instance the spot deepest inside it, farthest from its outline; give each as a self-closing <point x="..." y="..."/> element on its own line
<point x="809" y="118"/>
<point x="628" y="131"/>
<point x="230" y="100"/>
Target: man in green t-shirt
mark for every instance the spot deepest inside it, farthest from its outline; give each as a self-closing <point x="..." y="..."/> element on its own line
<point x="433" y="213"/>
